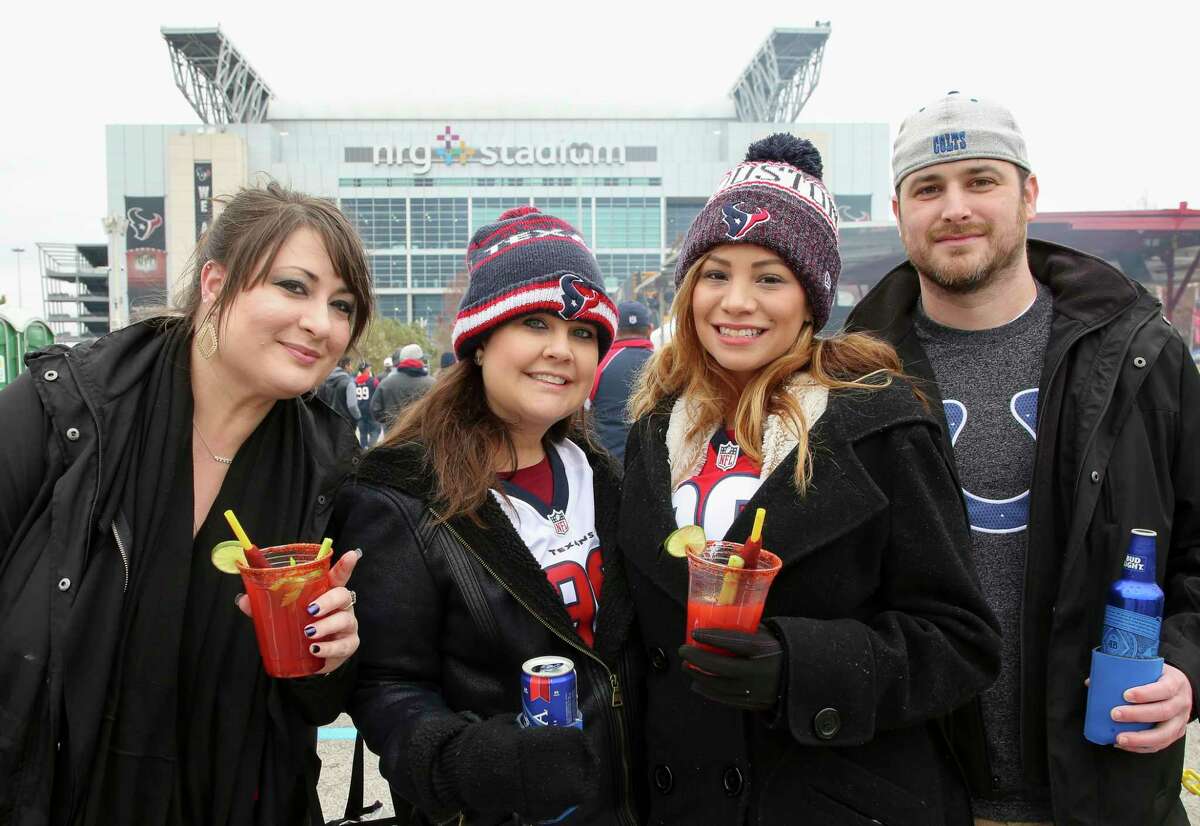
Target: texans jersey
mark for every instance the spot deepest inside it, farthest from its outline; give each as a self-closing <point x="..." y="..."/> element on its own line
<point x="561" y="533"/>
<point x="715" y="496"/>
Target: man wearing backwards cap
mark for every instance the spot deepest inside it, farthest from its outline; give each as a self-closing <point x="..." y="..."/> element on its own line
<point x="1070" y="404"/>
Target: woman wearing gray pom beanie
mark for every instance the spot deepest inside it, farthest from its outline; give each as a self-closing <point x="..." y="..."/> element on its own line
<point x="874" y="626"/>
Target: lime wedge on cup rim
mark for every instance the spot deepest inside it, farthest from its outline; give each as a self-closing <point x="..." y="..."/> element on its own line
<point x="685" y="538"/>
<point x="226" y="556"/>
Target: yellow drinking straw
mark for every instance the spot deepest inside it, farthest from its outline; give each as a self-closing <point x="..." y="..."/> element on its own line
<point x="238" y="531"/>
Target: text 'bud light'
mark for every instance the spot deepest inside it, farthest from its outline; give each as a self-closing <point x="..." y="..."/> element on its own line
<point x="1133" y="615"/>
<point x="548" y="693"/>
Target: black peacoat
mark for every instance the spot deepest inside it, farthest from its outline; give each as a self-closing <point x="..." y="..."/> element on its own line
<point x="881" y="618"/>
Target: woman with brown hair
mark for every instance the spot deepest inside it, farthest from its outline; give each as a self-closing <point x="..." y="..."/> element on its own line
<point x="133" y="690"/>
<point x="490" y="521"/>
<point x="874" y="626"/>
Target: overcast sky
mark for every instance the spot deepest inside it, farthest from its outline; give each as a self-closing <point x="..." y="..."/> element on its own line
<point x="1107" y="101"/>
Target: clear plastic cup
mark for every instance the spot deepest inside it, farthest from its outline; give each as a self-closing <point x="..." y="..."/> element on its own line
<point x="720" y="596"/>
<point x="280" y="596"/>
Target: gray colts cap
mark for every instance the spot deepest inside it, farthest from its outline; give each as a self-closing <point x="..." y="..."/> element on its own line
<point x="955" y="128"/>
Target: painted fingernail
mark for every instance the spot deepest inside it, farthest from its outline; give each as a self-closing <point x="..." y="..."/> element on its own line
<point x="316" y="649"/>
<point x="359" y="551"/>
<point x="310" y="631"/>
<point x="238" y="600"/>
<point x="313" y="609"/>
<point x="1117" y="714"/>
<point x="1122" y="741"/>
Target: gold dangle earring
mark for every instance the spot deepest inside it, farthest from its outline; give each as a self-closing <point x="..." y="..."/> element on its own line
<point x="206" y="339"/>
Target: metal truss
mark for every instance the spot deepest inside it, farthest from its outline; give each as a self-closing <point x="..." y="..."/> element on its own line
<point x="781" y="77"/>
<point x="215" y="78"/>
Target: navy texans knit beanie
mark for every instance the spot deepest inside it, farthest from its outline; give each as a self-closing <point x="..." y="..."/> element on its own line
<point x="775" y="199"/>
<point x="530" y="262"/>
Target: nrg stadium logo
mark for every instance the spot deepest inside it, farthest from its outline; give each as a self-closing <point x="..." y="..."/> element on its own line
<point x="452" y="148"/>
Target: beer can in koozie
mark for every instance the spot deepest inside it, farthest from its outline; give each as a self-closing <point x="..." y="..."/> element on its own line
<point x="548" y="692"/>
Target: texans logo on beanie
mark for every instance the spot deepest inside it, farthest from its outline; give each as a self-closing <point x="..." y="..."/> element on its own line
<point x="777" y="200"/>
<point x="529" y="262"/>
<point x="740" y="222"/>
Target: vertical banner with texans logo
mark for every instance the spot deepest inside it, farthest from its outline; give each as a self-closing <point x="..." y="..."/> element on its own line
<point x="203" y="197"/>
<point x="145" y="252"/>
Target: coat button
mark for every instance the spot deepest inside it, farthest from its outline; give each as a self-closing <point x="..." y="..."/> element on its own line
<point x="658" y="659"/>
<point x="50" y="375"/>
<point x="1095" y="476"/>
<point x="732" y="782"/>
<point x="321" y="500"/>
<point x="64" y="584"/>
<point x="72" y="434"/>
<point x="827" y="723"/>
<point x="664" y="781"/>
<point x="1139" y="362"/>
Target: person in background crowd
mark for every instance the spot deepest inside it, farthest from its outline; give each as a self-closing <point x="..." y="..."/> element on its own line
<point x="338" y="391"/>
<point x="609" y="399"/>
<point x="490" y="521"/>
<point x="387" y="368"/>
<point x="132" y="690"/>
<point x="365" y="388"/>
<point x="875" y="626"/>
<point x="407" y="383"/>
<point x="447" y="361"/>
<point x="1072" y="412"/>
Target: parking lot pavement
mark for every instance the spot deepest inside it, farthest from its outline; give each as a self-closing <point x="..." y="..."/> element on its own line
<point x="335" y="746"/>
<point x="336" y="754"/>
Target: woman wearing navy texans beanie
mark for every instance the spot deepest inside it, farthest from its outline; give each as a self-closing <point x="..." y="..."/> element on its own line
<point x="490" y="520"/>
<point x="874" y="626"/>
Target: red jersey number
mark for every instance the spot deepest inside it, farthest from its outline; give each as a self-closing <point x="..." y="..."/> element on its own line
<point x="580" y="591"/>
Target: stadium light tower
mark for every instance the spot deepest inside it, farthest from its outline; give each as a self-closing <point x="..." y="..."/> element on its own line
<point x="782" y="76"/>
<point x="215" y="78"/>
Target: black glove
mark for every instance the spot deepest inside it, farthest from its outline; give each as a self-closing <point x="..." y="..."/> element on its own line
<point x="497" y="766"/>
<point x="747" y="678"/>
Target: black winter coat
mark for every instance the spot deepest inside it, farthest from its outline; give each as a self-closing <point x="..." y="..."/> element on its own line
<point x="879" y="611"/>
<point x="63" y="575"/>
<point x="448" y="612"/>
<point x="1118" y="448"/>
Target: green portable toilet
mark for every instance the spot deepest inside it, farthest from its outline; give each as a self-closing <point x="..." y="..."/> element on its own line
<point x="20" y="332"/>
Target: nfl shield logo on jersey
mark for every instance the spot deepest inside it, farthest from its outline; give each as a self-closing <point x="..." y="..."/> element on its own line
<point x="559" y="520"/>
<point x="727" y="456"/>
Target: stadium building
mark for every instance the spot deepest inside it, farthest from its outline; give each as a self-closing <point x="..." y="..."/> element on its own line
<point x="418" y="183"/>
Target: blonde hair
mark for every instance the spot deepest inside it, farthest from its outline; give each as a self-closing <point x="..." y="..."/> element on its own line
<point x="682" y="367"/>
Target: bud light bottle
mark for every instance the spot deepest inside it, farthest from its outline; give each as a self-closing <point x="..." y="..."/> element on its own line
<point x="1133" y="615"/>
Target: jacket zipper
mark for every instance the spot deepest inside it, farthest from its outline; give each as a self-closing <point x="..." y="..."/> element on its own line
<point x="617" y="701"/>
<point x="125" y="557"/>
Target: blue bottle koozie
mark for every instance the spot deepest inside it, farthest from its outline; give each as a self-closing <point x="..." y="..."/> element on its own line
<point x="1128" y="652"/>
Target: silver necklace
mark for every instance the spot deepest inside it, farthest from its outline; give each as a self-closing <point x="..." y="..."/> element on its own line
<point x="204" y="442"/>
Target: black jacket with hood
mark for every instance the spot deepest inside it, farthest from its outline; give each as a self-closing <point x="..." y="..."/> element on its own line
<point x="448" y="612"/>
<point x="1118" y="448"/>
<point x="877" y="606"/>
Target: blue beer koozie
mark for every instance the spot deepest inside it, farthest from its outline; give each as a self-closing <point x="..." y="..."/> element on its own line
<point x="1111" y="677"/>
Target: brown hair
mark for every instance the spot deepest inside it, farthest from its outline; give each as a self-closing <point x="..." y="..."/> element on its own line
<point x="683" y="367"/>
<point x="462" y="437"/>
<point x="248" y="233"/>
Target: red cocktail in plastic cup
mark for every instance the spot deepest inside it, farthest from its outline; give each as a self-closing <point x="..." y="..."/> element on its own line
<point x="279" y="598"/>
<point x="723" y="596"/>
